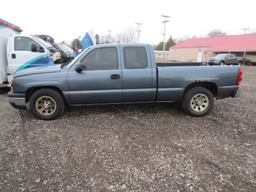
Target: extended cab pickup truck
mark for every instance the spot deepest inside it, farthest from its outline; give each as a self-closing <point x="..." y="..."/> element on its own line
<point x="121" y="73"/>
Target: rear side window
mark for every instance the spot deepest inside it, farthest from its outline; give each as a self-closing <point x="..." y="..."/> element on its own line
<point x="135" y="58"/>
<point x="24" y="43"/>
<point x="101" y="59"/>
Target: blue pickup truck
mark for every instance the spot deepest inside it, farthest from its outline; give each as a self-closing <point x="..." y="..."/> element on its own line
<point x="121" y="73"/>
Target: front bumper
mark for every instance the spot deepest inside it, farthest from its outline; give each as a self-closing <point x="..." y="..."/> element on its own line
<point x="17" y="100"/>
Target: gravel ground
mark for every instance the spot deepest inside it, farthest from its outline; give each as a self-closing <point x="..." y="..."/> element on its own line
<point x="132" y="148"/>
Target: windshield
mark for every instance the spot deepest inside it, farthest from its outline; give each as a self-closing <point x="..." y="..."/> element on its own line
<point x="64" y="47"/>
<point x="221" y="56"/>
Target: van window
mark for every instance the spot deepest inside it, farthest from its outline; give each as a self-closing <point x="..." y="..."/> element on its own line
<point x="135" y="58"/>
<point x="101" y="59"/>
<point x="24" y="44"/>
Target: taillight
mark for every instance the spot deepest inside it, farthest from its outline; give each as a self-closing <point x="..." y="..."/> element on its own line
<point x="239" y="76"/>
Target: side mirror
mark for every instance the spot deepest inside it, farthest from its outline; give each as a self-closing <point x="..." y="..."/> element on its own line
<point x="33" y="48"/>
<point x="41" y="49"/>
<point x="80" y="67"/>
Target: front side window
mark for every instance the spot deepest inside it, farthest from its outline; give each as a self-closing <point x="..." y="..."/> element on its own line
<point x="101" y="59"/>
<point x="25" y="44"/>
<point x="135" y="58"/>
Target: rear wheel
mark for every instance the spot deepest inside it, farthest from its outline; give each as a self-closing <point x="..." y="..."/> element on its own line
<point x="198" y="101"/>
<point x="46" y="104"/>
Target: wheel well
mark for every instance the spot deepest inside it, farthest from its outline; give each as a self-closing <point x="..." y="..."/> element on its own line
<point x="208" y="85"/>
<point x="31" y="90"/>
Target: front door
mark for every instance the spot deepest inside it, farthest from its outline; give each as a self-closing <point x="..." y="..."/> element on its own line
<point x="100" y="81"/>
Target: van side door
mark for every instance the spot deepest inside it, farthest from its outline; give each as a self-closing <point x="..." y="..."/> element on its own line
<point x="138" y="74"/>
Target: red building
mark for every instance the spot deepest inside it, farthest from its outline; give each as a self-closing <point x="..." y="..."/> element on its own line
<point x="201" y="49"/>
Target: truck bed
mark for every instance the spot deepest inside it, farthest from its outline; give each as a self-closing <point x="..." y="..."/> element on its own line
<point x="172" y="79"/>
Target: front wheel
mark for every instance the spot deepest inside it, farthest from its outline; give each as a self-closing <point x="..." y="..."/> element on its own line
<point x="198" y="101"/>
<point x="46" y="104"/>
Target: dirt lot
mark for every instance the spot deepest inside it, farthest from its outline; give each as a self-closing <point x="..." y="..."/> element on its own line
<point x="132" y="148"/>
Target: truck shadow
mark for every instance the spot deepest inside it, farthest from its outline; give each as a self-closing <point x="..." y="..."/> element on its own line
<point x="110" y="111"/>
<point x="173" y="108"/>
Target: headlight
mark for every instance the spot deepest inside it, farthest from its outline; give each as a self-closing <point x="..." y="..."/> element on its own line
<point x="11" y="86"/>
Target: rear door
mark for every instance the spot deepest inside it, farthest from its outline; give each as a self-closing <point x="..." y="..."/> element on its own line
<point x="137" y="74"/>
<point x="100" y="82"/>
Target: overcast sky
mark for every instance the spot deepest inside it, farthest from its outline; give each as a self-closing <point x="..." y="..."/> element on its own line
<point x="66" y="20"/>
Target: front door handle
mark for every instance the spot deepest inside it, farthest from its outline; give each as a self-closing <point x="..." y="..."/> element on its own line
<point x="13" y="56"/>
<point x="115" y="76"/>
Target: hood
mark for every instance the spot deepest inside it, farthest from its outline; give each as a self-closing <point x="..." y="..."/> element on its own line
<point x="38" y="70"/>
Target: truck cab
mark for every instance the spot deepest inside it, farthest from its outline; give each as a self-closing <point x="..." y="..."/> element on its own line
<point x="25" y="51"/>
<point x="22" y="52"/>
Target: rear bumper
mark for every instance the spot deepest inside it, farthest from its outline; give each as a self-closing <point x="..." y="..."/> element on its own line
<point x="228" y="91"/>
<point x="17" y="100"/>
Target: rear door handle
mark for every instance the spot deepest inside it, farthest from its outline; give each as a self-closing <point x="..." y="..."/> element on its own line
<point x="14" y="56"/>
<point x="115" y="76"/>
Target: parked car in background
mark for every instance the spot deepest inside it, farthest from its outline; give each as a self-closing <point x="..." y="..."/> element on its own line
<point x="224" y="59"/>
<point x="54" y="53"/>
<point x="121" y="73"/>
<point x="67" y="53"/>
<point x="46" y="38"/>
<point x="162" y="56"/>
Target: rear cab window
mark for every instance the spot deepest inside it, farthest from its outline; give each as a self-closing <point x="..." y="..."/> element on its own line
<point x="135" y="57"/>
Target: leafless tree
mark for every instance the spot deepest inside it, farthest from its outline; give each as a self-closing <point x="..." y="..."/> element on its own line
<point x="216" y="33"/>
<point x="126" y="36"/>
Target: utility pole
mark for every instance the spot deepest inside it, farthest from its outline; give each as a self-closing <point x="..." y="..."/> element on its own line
<point x="109" y="36"/>
<point x="164" y="33"/>
<point x="138" y="30"/>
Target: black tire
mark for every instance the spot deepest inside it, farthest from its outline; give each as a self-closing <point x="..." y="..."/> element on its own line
<point x="222" y="63"/>
<point x="56" y="99"/>
<point x="193" y="92"/>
